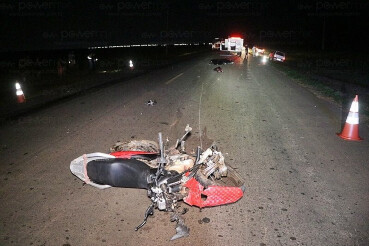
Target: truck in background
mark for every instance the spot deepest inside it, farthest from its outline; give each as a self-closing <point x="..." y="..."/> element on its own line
<point x="232" y="44"/>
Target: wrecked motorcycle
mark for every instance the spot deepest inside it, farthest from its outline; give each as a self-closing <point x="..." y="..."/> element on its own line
<point x="169" y="176"/>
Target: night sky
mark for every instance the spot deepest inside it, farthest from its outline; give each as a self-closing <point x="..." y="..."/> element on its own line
<point x="55" y="24"/>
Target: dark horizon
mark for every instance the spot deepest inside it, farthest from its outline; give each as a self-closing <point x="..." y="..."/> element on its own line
<point x="50" y="25"/>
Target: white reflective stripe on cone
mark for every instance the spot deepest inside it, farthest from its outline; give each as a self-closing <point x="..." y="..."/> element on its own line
<point x="19" y="92"/>
<point x="354" y="107"/>
<point x="353" y="118"/>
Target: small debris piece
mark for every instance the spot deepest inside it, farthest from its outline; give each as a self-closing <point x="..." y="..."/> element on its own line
<point x="206" y="220"/>
<point x="181" y="229"/>
<point x="218" y="70"/>
<point x="151" y="102"/>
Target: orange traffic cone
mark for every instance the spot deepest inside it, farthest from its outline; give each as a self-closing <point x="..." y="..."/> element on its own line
<point x="19" y="92"/>
<point x="351" y="128"/>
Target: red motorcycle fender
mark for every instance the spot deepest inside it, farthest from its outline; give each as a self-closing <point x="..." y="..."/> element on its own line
<point x="132" y="154"/>
<point x="214" y="195"/>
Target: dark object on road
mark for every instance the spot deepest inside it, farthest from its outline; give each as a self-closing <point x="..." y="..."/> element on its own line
<point x="206" y="220"/>
<point x="169" y="176"/>
<point x="220" y="62"/>
<point x="151" y="102"/>
<point x="218" y="70"/>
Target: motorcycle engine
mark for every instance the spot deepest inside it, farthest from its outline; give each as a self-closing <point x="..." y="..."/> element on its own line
<point x="166" y="191"/>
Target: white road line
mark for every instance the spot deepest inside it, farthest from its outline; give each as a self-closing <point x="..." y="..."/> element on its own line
<point x="172" y="79"/>
<point x="200" y="102"/>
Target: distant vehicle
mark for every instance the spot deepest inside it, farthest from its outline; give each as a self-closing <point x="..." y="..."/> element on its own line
<point x="220" y="62"/>
<point x="257" y="51"/>
<point x="277" y="56"/>
<point x="232" y="44"/>
<point x="216" y="44"/>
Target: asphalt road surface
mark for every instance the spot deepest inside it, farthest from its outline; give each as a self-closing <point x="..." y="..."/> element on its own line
<point x="304" y="184"/>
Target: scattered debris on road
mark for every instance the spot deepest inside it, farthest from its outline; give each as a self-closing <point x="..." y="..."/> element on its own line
<point x="218" y="70"/>
<point x="204" y="220"/>
<point x="151" y="102"/>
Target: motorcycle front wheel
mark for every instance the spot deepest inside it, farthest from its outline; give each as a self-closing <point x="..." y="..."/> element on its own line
<point x="233" y="179"/>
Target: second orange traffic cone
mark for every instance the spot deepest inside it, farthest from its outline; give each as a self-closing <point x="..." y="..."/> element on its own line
<point x="351" y="129"/>
<point x="19" y="92"/>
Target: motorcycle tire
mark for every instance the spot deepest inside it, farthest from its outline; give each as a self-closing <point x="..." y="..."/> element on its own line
<point x="233" y="179"/>
<point x="136" y="145"/>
